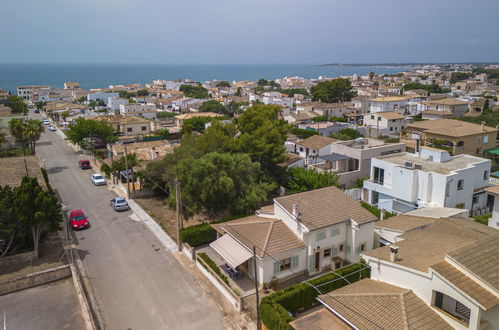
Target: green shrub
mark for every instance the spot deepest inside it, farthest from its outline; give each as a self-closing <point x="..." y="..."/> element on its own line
<point x="198" y="234"/>
<point x="210" y="263"/>
<point x="376" y="211"/>
<point x="302" y="296"/>
<point x="483" y="219"/>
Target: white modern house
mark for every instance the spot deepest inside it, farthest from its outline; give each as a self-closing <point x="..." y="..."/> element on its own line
<point x="403" y="182"/>
<point x="313" y="147"/>
<point x="493" y="203"/>
<point x="301" y="234"/>
<point x="385" y="122"/>
<point x="277" y="99"/>
<point x="114" y="103"/>
<point x="101" y="96"/>
<point x="139" y="109"/>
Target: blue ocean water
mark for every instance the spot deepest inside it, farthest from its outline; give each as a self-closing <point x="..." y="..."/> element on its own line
<point x="103" y="75"/>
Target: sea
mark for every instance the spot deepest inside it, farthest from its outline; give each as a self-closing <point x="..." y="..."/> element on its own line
<point x="103" y="75"/>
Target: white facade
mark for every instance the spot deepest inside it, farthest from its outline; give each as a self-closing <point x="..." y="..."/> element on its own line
<point x="276" y="98"/>
<point x="138" y="109"/>
<point x="114" y="103"/>
<point x="100" y="96"/>
<point x="387" y="125"/>
<point x="405" y="181"/>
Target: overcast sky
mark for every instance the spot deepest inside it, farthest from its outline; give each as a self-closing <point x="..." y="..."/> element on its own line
<point x="248" y="31"/>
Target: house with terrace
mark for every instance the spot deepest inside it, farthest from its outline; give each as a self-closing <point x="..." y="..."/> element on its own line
<point x="299" y="235"/>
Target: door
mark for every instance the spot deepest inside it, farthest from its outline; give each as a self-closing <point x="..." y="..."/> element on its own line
<point x="317" y="261"/>
<point x="251" y="268"/>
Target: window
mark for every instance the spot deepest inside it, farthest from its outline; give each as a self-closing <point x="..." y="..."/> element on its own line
<point x="372" y="116"/>
<point x="379" y="175"/>
<point x="335" y="231"/>
<point x="475" y="199"/>
<point x="479" y="140"/>
<point x="363" y="247"/>
<point x="334" y="251"/>
<point x="478" y="151"/>
<point x="280" y="266"/>
<point x="144" y="128"/>
<point x="460" y="184"/>
<point x="485" y="139"/>
<point x="327" y="253"/>
<point x="129" y="129"/>
<point x="342" y="247"/>
<point x="391" y="129"/>
<point x="320" y="236"/>
<point x="486" y="174"/>
<point x="301" y="149"/>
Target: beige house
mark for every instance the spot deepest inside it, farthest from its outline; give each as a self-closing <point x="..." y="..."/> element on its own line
<point x="386" y="122"/>
<point x="181" y="118"/>
<point x="447" y="107"/>
<point x="459" y="137"/>
<point x="129" y="125"/>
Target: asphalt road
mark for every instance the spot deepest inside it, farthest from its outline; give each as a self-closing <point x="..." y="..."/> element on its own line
<point x="138" y="284"/>
<point x="50" y="306"/>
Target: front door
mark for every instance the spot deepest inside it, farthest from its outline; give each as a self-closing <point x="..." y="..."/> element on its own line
<point x="317" y="261"/>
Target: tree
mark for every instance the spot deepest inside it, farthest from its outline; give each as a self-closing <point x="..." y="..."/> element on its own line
<point x="9" y="226"/>
<point x="433" y="88"/>
<point x="346" y="134"/>
<point x="17" y="130"/>
<point x="458" y="76"/>
<point x="166" y="114"/>
<point x="301" y="179"/>
<point x="292" y="91"/>
<point x="82" y="99"/>
<point x="2" y="137"/>
<point x="83" y="130"/>
<point x="333" y="91"/>
<point x="162" y="132"/>
<point x="142" y="92"/>
<point x="303" y="133"/>
<point x="121" y="164"/>
<point x="40" y="104"/>
<point x="221" y="182"/>
<point x="17" y="104"/>
<point x="196" y="124"/>
<point x="214" y="106"/>
<point x="371" y="75"/>
<point x="239" y="91"/>
<point x="197" y="92"/>
<point x="37" y="210"/>
<point x="33" y="130"/>
<point x="223" y="84"/>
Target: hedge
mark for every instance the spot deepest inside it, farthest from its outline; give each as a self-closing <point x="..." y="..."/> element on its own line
<point x="203" y="233"/>
<point x="302" y="296"/>
<point x="376" y="211"/>
<point x="207" y="261"/>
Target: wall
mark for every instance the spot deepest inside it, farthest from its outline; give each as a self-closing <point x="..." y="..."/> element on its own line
<point x="35" y="279"/>
<point x="266" y="266"/>
<point x="18" y="259"/>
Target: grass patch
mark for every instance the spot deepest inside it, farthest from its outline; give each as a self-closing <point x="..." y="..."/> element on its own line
<point x="483" y="219"/>
<point x="210" y="263"/>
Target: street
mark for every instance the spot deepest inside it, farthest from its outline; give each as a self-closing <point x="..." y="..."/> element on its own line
<point x="138" y="284"/>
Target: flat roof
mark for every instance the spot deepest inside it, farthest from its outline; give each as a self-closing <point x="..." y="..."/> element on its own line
<point x="404" y="222"/>
<point x="455" y="163"/>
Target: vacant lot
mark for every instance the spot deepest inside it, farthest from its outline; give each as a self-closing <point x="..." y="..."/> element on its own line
<point x="165" y="217"/>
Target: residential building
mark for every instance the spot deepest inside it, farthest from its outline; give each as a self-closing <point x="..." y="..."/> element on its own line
<point x="444" y="108"/>
<point x="129" y="125"/>
<point x="149" y="150"/>
<point x="71" y="85"/>
<point x="405" y="181"/>
<point x="313" y="147"/>
<point x="325" y="109"/>
<point x="301" y="234"/>
<point x="451" y="265"/>
<point x="5" y="111"/>
<point x="139" y="109"/>
<point x="31" y="92"/>
<point x="181" y="118"/>
<point x="493" y="205"/>
<point x="185" y="103"/>
<point x="351" y="160"/>
<point x="3" y="94"/>
<point x="385" y="122"/>
<point x="277" y="99"/>
<point x="391" y="103"/>
<point x="325" y="128"/>
<point x="101" y="96"/>
<point x="459" y="137"/>
<point x="114" y="103"/>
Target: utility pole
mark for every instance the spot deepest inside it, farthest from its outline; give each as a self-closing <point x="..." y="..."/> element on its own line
<point x="127" y="176"/>
<point x="258" y="326"/>
<point x="179" y="212"/>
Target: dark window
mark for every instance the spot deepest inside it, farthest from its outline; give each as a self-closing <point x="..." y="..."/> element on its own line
<point x="439" y="299"/>
<point x="129" y="129"/>
<point x="144" y="128"/>
<point x="342" y="247"/>
<point x="460" y="184"/>
<point x="372" y="116"/>
<point x="363" y="247"/>
<point x="486" y="174"/>
<point x="379" y="175"/>
<point x="327" y="253"/>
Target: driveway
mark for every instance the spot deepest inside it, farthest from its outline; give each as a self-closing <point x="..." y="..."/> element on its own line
<point x="138" y="284"/>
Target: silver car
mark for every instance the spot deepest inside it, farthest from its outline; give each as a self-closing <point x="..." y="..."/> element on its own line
<point x="119" y="204"/>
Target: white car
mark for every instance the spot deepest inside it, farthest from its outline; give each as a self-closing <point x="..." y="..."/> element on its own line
<point x="52" y="128"/>
<point x="46" y="122"/>
<point x="98" y="179"/>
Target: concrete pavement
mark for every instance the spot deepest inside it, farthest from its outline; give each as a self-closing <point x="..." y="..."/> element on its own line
<point x="138" y="283"/>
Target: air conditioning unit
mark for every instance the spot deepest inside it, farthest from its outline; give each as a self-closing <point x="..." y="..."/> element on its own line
<point x="418" y="166"/>
<point x="408" y="164"/>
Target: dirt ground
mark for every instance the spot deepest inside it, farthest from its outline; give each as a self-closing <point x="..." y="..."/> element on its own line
<point x="50" y="256"/>
<point x="166" y="218"/>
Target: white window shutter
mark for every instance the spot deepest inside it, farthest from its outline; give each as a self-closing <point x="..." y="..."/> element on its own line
<point x="294" y="262"/>
<point x="334" y="251"/>
<point x="277" y="267"/>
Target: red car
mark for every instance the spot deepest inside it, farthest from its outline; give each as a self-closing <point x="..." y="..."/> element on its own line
<point x="78" y="220"/>
<point x="84" y="164"/>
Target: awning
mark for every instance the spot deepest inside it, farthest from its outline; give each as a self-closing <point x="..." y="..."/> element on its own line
<point x="494" y="151"/>
<point x="384" y="241"/>
<point x="231" y="251"/>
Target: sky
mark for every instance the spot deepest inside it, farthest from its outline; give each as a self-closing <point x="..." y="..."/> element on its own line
<point x="248" y="31"/>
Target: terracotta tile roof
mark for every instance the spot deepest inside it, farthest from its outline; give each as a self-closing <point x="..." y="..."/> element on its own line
<point x="198" y="114"/>
<point x="369" y="304"/>
<point x="481" y="258"/>
<point x="421" y="249"/>
<point x="321" y="319"/>
<point x="404" y="223"/>
<point x="324" y="207"/>
<point x="450" y="127"/>
<point x="492" y="190"/>
<point x="447" y="101"/>
<point x="467" y="285"/>
<point x="392" y="98"/>
<point x="316" y="142"/>
<point x="390" y="115"/>
<point x="269" y="236"/>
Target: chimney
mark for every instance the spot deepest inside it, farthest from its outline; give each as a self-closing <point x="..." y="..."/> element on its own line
<point x="295" y="211"/>
<point x="482" y="125"/>
<point x="393" y="253"/>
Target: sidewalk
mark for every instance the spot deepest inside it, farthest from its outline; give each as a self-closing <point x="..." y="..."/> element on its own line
<point x="233" y="318"/>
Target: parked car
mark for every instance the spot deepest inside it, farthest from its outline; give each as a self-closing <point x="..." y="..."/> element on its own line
<point x="78" y="220"/>
<point x="52" y="128"/>
<point x="98" y="179"/>
<point x="46" y="122"/>
<point x="84" y="164"/>
<point x="119" y="204"/>
<point x="37" y="110"/>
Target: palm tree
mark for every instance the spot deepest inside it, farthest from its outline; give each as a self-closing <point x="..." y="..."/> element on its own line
<point x="33" y="130"/>
<point x="16" y="128"/>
